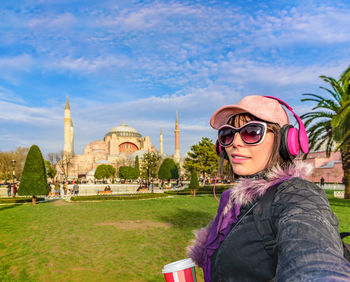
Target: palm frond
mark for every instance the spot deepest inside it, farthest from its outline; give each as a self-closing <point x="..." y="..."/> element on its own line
<point x="308" y="118"/>
<point x="321" y="102"/>
<point x="329" y="147"/>
<point x="334" y="94"/>
<point x="317" y="98"/>
<point x="344" y="142"/>
<point x="336" y="85"/>
<point x="317" y="114"/>
<point x="345" y="75"/>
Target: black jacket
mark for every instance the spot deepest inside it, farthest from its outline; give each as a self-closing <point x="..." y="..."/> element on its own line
<point x="308" y="244"/>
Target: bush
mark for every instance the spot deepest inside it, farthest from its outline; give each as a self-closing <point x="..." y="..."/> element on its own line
<point x="33" y="180"/>
<point x="119" y="197"/>
<point x="105" y="171"/>
<point x="208" y="189"/>
<point x="128" y="172"/>
<point x="18" y="200"/>
<point x="168" y="170"/>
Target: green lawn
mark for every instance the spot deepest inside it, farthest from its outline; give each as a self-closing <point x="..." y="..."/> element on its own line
<point x="108" y="240"/>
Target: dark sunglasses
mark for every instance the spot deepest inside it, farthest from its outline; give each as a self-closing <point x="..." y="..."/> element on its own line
<point x="252" y="133"/>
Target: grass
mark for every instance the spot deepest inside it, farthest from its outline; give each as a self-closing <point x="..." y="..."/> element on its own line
<point x="107" y="240"/>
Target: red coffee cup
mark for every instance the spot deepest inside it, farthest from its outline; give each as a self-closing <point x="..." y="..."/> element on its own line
<point x="180" y="271"/>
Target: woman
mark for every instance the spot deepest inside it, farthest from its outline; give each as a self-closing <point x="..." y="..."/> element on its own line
<point x="256" y="137"/>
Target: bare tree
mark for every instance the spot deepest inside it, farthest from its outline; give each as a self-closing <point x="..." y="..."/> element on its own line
<point x="6" y="165"/>
<point x="63" y="162"/>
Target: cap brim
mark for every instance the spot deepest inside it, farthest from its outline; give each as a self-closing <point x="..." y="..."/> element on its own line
<point x="222" y="115"/>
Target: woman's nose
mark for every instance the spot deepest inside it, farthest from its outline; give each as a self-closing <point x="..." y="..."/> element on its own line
<point x="237" y="140"/>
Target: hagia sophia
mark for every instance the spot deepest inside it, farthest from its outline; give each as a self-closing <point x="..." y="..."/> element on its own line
<point x="120" y="146"/>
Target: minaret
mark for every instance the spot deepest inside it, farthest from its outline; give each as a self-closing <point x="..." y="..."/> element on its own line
<point x="161" y="142"/>
<point x="177" y="147"/>
<point x="68" y="148"/>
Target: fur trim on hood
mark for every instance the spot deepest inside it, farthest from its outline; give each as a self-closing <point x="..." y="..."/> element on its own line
<point x="248" y="189"/>
<point x="244" y="192"/>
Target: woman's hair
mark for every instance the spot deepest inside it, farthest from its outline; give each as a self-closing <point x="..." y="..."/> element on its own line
<point x="275" y="157"/>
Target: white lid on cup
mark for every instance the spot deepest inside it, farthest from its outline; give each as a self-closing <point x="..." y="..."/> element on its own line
<point x="178" y="265"/>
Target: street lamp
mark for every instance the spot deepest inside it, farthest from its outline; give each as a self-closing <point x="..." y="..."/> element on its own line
<point x="13" y="176"/>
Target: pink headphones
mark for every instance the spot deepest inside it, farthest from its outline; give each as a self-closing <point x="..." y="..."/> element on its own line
<point x="292" y="139"/>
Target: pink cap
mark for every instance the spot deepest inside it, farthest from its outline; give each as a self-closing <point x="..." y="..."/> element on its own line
<point x="262" y="107"/>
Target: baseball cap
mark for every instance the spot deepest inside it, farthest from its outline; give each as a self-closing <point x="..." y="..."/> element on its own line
<point x="264" y="108"/>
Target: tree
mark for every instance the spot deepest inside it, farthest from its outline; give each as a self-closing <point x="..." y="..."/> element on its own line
<point x="137" y="164"/>
<point x="34" y="181"/>
<point x="128" y="172"/>
<point x="149" y="165"/>
<point x="168" y="170"/>
<point x="50" y="171"/>
<point x="194" y="184"/>
<point x="329" y="125"/>
<point x="202" y="158"/>
<point x="6" y="167"/>
<point x="105" y="171"/>
<point x="63" y="162"/>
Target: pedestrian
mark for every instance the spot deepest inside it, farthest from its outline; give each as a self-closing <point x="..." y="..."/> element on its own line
<point x="9" y="189"/>
<point x="76" y="189"/>
<point x="15" y="189"/>
<point x="322" y="182"/>
<point x="260" y="143"/>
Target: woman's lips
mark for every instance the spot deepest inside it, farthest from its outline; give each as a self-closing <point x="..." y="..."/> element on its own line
<point x="237" y="158"/>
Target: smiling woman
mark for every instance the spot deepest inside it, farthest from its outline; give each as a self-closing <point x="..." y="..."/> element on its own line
<point x="256" y="137"/>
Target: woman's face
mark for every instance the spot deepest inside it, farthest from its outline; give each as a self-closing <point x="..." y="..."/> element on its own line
<point x="249" y="159"/>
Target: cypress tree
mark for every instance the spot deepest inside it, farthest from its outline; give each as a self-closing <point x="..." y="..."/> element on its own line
<point x="34" y="180"/>
<point x="137" y="163"/>
<point x="194" y="183"/>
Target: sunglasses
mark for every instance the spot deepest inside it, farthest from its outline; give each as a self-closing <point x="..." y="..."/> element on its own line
<point x="252" y="133"/>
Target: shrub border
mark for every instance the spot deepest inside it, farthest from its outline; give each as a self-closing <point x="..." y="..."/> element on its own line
<point x="121" y="197"/>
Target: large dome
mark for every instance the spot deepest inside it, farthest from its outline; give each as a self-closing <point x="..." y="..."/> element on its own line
<point x="124" y="130"/>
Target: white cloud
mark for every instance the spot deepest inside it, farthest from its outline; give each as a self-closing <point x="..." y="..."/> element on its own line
<point x="61" y="21"/>
<point x="19" y="63"/>
<point x="307" y="25"/>
<point x="11" y="112"/>
<point x="9" y="96"/>
<point x="89" y="65"/>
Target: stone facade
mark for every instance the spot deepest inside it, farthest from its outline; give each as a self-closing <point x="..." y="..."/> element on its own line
<point x="119" y="147"/>
<point x="329" y="168"/>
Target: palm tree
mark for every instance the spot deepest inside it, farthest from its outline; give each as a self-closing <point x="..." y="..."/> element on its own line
<point x="329" y="122"/>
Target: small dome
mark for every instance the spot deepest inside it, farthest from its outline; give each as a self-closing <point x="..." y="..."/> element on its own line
<point x="124" y="130"/>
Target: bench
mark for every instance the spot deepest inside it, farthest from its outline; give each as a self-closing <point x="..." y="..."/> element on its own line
<point x="104" y="192"/>
<point x="143" y="190"/>
<point x="54" y="194"/>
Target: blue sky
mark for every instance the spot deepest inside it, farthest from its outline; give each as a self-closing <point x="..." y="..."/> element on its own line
<point x="140" y="61"/>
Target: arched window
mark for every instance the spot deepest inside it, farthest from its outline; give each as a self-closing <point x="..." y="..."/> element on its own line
<point x="128" y="147"/>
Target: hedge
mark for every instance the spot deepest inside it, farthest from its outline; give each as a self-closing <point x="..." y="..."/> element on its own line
<point x="119" y="197"/>
<point x="18" y="200"/>
<point x="207" y="189"/>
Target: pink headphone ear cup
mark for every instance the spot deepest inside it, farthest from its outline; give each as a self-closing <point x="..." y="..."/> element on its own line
<point x="284" y="146"/>
<point x="293" y="142"/>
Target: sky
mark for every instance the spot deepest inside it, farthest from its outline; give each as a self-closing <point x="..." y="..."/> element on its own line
<point x="141" y="61"/>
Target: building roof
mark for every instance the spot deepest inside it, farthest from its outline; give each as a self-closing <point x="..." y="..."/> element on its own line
<point x="103" y="162"/>
<point x="124" y="130"/>
<point x="329" y="164"/>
